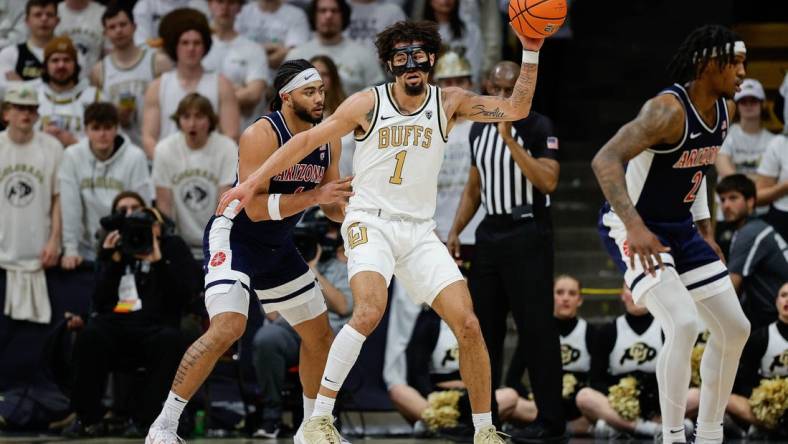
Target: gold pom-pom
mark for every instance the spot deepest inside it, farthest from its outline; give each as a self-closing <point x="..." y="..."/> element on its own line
<point x="623" y="398"/>
<point x="769" y="401"/>
<point x="570" y="385"/>
<point x="443" y="410"/>
<point x="697" y="355"/>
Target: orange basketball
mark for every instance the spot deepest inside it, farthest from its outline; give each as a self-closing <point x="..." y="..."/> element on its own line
<point x="537" y="18"/>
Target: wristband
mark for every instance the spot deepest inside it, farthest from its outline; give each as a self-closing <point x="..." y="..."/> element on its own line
<point x="273" y="206"/>
<point x="530" y="57"/>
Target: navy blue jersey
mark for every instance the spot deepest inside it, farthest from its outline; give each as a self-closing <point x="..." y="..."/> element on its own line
<point x="303" y="176"/>
<point x="664" y="180"/>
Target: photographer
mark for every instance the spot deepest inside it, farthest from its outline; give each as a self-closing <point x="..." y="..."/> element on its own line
<point x="145" y="278"/>
<point x="276" y="343"/>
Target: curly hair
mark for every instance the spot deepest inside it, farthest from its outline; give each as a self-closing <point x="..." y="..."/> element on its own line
<point x="408" y="31"/>
<point x="178" y="22"/>
<point x="696" y="51"/>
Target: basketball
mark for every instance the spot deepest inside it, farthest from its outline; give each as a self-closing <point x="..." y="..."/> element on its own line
<point x="537" y="18"/>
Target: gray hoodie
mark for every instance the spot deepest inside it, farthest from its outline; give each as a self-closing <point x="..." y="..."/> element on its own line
<point x="88" y="185"/>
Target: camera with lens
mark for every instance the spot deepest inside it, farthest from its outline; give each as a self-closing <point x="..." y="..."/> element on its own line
<point x="311" y="232"/>
<point x="135" y="229"/>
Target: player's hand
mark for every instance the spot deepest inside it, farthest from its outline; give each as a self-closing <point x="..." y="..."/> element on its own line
<point x="643" y="244"/>
<point x="529" y="44"/>
<point x="70" y="262"/>
<point x="505" y="130"/>
<point x="243" y="193"/>
<point x="714" y="246"/>
<point x="336" y="191"/>
<point x="453" y="244"/>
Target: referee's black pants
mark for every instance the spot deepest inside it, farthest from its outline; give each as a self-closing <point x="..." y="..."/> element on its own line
<point x="512" y="270"/>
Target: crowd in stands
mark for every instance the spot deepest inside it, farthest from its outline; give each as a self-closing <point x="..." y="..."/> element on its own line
<point x="119" y="133"/>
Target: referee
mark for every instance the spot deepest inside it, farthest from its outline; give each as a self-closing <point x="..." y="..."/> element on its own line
<point x="513" y="169"/>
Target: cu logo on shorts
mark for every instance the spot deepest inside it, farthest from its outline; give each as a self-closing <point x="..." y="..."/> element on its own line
<point x="218" y="259"/>
<point x="356" y="234"/>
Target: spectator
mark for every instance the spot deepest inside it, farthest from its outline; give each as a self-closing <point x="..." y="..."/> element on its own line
<point x="452" y="69"/>
<point x="12" y="23"/>
<point x="746" y="142"/>
<point x="758" y="261"/>
<point x="124" y="73"/>
<point x="30" y="232"/>
<point x="192" y="168"/>
<point x="80" y="20"/>
<point x="276" y="26"/>
<point x="369" y="17"/>
<point x="772" y="184"/>
<point x="764" y="357"/>
<point x="335" y="95"/>
<point x="149" y="13"/>
<point x="24" y="61"/>
<point x="187" y="38"/>
<point x="135" y="316"/>
<point x="461" y="36"/>
<point x="242" y="61"/>
<point x="433" y="366"/>
<point x="577" y="341"/>
<point x="358" y="66"/>
<point x="512" y="268"/>
<point x="276" y="343"/>
<point x="628" y="346"/>
<point x="94" y="171"/>
<point x="63" y="96"/>
<point x="780" y="105"/>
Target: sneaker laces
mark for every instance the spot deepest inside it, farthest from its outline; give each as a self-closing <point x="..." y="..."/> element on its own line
<point x="325" y="426"/>
<point x="491" y="435"/>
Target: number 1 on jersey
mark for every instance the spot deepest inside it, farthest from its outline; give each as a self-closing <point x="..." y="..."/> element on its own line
<point x="697" y="179"/>
<point x="396" y="179"/>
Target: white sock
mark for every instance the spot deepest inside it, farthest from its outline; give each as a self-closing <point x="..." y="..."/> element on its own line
<point x="709" y="433"/>
<point x="647" y="428"/>
<point x="171" y="413"/>
<point x="481" y="420"/>
<point x="323" y="406"/>
<point x="309" y="407"/>
<point x="341" y="357"/>
<point x="673" y="434"/>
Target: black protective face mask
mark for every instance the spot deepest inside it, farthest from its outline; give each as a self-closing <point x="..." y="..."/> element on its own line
<point x="410" y="65"/>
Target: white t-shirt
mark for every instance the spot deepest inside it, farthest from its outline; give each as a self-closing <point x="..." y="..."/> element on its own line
<point x="148" y="14"/>
<point x="368" y="19"/>
<point x="125" y="87"/>
<point x="28" y="180"/>
<point x="358" y="66"/>
<point x="470" y="44"/>
<point x="288" y="25"/>
<point x="65" y="109"/>
<point x="745" y="150"/>
<point x="85" y="30"/>
<point x="241" y="61"/>
<point x="775" y="164"/>
<point x="451" y="183"/>
<point x="194" y="177"/>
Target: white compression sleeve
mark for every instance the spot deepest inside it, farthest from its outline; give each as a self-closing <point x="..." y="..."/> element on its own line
<point x="729" y="330"/>
<point x="672" y="305"/>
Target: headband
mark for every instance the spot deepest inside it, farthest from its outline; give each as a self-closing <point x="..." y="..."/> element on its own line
<point x="738" y="48"/>
<point x="302" y="78"/>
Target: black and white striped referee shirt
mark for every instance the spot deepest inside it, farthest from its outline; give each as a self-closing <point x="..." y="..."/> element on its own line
<point x="503" y="184"/>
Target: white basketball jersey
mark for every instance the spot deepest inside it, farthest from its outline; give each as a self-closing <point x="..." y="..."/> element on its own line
<point x="575" y="356"/>
<point x="125" y="87"/>
<point x="397" y="162"/>
<point x="634" y="352"/>
<point x="171" y="93"/>
<point x="775" y="361"/>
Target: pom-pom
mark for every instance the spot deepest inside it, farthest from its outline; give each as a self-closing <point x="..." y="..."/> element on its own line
<point x="697" y="355"/>
<point x="443" y="410"/>
<point x="623" y="398"/>
<point x="570" y="385"/>
<point x="769" y="401"/>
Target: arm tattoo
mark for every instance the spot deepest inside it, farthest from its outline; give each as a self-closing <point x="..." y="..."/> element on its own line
<point x="523" y="91"/>
<point x="371" y="115"/>
<point x="481" y="110"/>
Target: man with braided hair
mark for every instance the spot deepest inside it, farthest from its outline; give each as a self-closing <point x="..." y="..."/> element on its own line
<point x="253" y="253"/>
<point x="401" y="131"/>
<point x="656" y="224"/>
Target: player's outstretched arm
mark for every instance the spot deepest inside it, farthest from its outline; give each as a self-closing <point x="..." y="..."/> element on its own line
<point x="332" y="185"/>
<point x="352" y="113"/>
<point x="661" y="120"/>
<point x="464" y="104"/>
